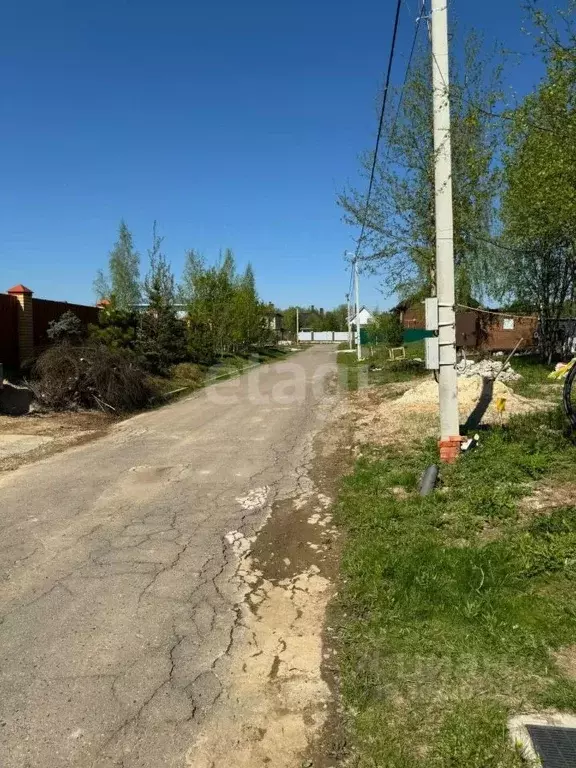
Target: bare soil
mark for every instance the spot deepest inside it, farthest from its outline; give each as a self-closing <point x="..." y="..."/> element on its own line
<point x="63" y="430"/>
<point x="286" y="675"/>
<point x="300" y="538"/>
<point x="392" y="413"/>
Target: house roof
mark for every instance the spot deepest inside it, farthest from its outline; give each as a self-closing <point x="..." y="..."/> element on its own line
<point x="362" y="309"/>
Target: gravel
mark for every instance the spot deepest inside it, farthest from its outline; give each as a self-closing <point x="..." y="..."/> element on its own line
<point x="489" y="369"/>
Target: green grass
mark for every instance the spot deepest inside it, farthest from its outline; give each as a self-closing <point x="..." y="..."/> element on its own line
<point x="377" y="368"/>
<point x="451" y="605"/>
<point x="535" y="382"/>
<point x="190" y="376"/>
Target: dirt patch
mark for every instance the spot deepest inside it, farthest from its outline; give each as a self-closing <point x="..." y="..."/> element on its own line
<point x="392" y="413"/>
<point x="565" y="660"/>
<point x="48" y="433"/>
<point x="284" y="673"/>
<point x="546" y="498"/>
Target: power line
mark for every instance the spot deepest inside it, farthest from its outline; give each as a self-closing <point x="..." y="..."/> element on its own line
<point x="380" y="125"/>
<point x="498" y="313"/>
<point x="408" y="66"/>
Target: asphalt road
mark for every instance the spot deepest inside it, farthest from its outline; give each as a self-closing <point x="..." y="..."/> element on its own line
<point x="117" y="589"/>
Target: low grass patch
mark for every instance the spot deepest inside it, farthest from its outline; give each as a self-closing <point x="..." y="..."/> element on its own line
<point x="191" y="376"/>
<point x="377" y="368"/>
<point x="535" y="382"/>
<point x="452" y="605"/>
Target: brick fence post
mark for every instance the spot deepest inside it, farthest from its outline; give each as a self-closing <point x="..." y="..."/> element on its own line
<point x="25" y="322"/>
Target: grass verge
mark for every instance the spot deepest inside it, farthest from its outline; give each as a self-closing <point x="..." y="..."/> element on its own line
<point x="453" y="606"/>
<point x="535" y="382"/>
<point x="187" y="377"/>
<point x="377" y="368"/>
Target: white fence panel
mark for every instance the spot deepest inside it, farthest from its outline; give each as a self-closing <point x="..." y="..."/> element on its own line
<point x="323" y="336"/>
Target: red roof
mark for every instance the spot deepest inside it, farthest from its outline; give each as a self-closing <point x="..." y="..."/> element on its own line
<point x="20" y="289"/>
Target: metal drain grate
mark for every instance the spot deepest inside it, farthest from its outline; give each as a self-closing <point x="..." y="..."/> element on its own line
<point x="556" y="747"/>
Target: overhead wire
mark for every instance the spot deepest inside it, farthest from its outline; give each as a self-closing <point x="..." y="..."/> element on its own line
<point x="380" y="126"/>
<point x="419" y="19"/>
<point x="406" y="75"/>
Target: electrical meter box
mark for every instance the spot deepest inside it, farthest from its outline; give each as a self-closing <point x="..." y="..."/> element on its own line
<point x="431" y="348"/>
<point x="431" y="313"/>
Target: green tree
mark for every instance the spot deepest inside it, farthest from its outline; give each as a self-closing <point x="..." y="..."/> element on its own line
<point x="193" y="268"/>
<point x="335" y="319"/>
<point x="162" y="335"/>
<point x="389" y="328"/>
<point x="122" y="281"/>
<point x="289" y="321"/>
<point x="400" y="231"/>
<point x="249" y="311"/>
<point x="117" y="328"/>
<point x="539" y="200"/>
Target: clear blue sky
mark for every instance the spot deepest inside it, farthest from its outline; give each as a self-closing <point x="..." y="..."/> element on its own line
<point x="232" y="124"/>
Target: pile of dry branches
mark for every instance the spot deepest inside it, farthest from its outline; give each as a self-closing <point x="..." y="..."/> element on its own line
<point x="67" y="376"/>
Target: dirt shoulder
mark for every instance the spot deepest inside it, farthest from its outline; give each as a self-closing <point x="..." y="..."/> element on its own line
<point x="25" y="439"/>
<point x="283" y="671"/>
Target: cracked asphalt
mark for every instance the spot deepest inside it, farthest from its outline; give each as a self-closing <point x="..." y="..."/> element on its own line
<point x="118" y="591"/>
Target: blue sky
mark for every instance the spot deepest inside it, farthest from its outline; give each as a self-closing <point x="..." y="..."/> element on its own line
<point x="232" y="124"/>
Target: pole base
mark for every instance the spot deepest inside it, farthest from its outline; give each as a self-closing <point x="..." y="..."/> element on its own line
<point x="450" y="449"/>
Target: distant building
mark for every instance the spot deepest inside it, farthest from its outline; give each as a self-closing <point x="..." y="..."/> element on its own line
<point x="476" y="329"/>
<point x="364" y="317"/>
<point x="181" y="309"/>
<point x="274" y="321"/>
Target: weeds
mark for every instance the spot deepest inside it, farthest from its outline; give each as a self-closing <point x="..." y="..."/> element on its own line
<point x="453" y="604"/>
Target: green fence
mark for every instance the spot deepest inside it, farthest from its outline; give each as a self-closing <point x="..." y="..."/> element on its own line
<point x="371" y="336"/>
<point x="416" y="334"/>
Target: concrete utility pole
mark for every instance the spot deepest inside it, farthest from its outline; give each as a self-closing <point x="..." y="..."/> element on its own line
<point x="297" y="324"/>
<point x="448" y="381"/>
<point x="349" y="319"/>
<point x="357" y="292"/>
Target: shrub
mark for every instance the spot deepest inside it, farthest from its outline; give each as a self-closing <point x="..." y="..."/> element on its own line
<point x="188" y="372"/>
<point x="389" y="326"/>
<point x="68" y="328"/>
<point x="90" y="376"/>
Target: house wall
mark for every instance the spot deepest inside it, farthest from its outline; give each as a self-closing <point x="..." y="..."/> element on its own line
<point x="480" y="330"/>
<point x="497" y="335"/>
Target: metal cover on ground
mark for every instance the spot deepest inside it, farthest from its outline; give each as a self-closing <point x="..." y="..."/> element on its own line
<point x="555" y="746"/>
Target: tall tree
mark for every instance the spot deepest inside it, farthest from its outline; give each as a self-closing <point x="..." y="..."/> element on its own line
<point x="193" y="268"/>
<point x="162" y="335"/>
<point x="400" y="230"/>
<point x="250" y="310"/>
<point x="122" y="280"/>
<point x="539" y="201"/>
